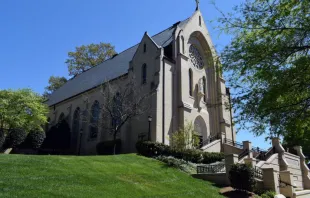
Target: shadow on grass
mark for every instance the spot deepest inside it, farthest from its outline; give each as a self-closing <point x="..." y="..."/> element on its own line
<point x="231" y="193"/>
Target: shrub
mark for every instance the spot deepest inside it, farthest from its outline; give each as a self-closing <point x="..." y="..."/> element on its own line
<point x="153" y="149"/>
<point x="192" y="155"/>
<point x="14" y="138"/>
<point x="34" y="140"/>
<point x="241" y="177"/>
<point x="178" y="163"/>
<point x="107" y="147"/>
<point x="58" y="137"/>
<point x="2" y="138"/>
<point x="268" y="194"/>
<point x="208" y="158"/>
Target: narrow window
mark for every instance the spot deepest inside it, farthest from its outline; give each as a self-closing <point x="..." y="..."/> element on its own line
<point x="144" y="48"/>
<point x="76" y="122"/>
<point x="183" y="45"/>
<point x="116" y="110"/>
<point x="190" y="77"/>
<point x="204" y="84"/>
<point x="61" y="117"/>
<point x="94" y="119"/>
<point x="199" y="20"/>
<point x="143" y="73"/>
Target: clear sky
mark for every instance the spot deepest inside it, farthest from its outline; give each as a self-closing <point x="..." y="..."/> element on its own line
<point x="35" y="36"/>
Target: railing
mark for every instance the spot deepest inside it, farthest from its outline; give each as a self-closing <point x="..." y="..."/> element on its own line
<point x="243" y="154"/>
<point x="211" y="139"/>
<point x="258" y="173"/>
<point x="233" y="143"/>
<point x="265" y="155"/>
<point x="216" y="168"/>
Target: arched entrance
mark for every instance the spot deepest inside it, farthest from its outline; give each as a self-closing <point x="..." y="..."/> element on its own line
<point x="201" y="128"/>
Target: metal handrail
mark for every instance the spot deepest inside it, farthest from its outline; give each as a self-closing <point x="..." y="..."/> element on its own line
<point x="211" y="139"/>
<point x="243" y="154"/>
<point x="215" y="168"/>
<point x="265" y="155"/>
<point x="233" y="143"/>
<point x="258" y="173"/>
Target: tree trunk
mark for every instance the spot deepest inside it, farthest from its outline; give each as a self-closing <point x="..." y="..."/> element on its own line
<point x="114" y="139"/>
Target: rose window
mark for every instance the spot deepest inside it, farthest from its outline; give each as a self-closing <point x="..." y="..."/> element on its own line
<point x="195" y="57"/>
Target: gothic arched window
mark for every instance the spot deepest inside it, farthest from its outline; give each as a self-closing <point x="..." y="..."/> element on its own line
<point x="196" y="57"/>
<point x="61" y="117"/>
<point x="199" y="20"/>
<point x="76" y="121"/>
<point x="204" y="84"/>
<point x="94" y="119"/>
<point x="117" y="109"/>
<point x="190" y="78"/>
<point x="144" y="73"/>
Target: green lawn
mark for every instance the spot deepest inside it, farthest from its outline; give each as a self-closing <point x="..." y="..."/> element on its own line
<point x="102" y="176"/>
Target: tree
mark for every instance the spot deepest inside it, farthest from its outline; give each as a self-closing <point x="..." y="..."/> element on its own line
<point x="268" y="65"/>
<point x="21" y="109"/>
<point x="185" y="138"/>
<point x="55" y="82"/>
<point x="88" y="56"/>
<point x="121" y="103"/>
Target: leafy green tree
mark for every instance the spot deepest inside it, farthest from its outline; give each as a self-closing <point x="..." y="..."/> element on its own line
<point x="55" y="82"/>
<point x="185" y="138"/>
<point x="88" y="56"/>
<point x="21" y="109"/>
<point x="268" y="65"/>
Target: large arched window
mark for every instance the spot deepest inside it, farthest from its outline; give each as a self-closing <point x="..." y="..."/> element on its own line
<point x="94" y="119"/>
<point x="190" y="82"/>
<point x="144" y="73"/>
<point x="196" y="58"/>
<point x="204" y="84"/>
<point x="61" y="117"/>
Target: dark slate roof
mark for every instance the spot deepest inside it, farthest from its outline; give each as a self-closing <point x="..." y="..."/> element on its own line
<point x="108" y="70"/>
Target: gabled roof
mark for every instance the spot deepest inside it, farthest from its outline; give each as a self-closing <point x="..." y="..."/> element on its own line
<point x="108" y="70"/>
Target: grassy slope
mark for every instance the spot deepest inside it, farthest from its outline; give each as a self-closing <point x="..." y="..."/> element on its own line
<point x="108" y="176"/>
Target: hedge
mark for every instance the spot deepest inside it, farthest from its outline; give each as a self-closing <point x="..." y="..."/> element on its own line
<point x="241" y="177"/>
<point x="154" y="149"/>
<point x="14" y="138"/>
<point x="34" y="140"/>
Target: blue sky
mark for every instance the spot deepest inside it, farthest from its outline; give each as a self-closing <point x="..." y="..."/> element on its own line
<point x="37" y="35"/>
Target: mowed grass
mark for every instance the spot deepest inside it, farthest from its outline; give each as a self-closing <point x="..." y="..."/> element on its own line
<point x="98" y="176"/>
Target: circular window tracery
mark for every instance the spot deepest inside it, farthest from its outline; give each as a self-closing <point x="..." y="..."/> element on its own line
<point x="196" y="57"/>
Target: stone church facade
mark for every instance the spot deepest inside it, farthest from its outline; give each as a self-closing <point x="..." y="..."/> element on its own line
<point x="180" y="62"/>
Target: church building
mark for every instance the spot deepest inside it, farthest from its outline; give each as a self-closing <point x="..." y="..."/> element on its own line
<point x="180" y="63"/>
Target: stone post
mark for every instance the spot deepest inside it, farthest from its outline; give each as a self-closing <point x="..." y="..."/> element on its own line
<point x="281" y="151"/>
<point x="250" y="161"/>
<point x="223" y="136"/>
<point x="270" y="180"/>
<point x="303" y="167"/>
<point x="286" y="182"/>
<point x="230" y="159"/>
<point x="248" y="145"/>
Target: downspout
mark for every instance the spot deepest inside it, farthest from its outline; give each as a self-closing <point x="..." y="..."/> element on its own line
<point x="163" y="103"/>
